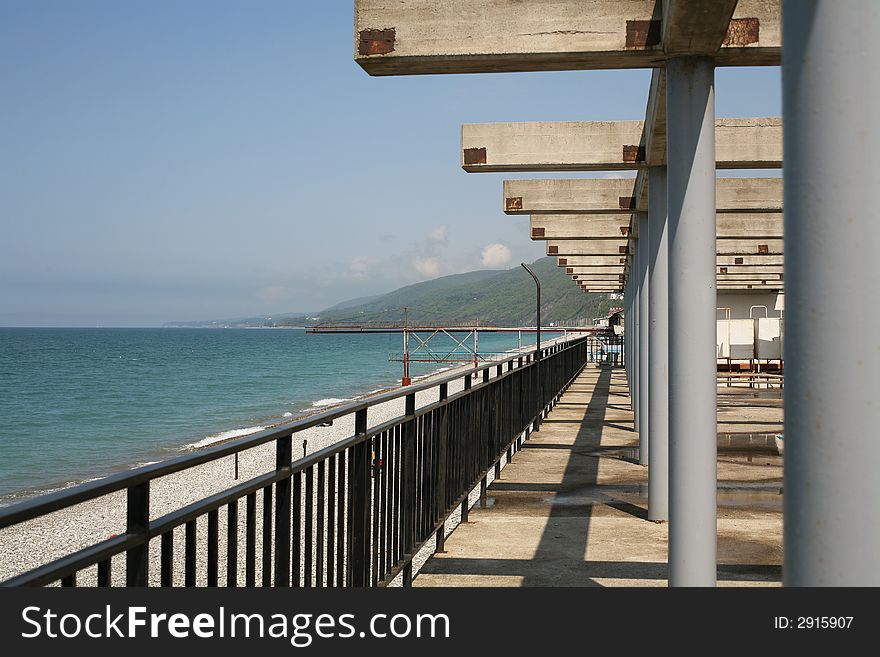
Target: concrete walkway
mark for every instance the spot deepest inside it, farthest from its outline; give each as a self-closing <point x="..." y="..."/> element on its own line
<point x="571" y="508"/>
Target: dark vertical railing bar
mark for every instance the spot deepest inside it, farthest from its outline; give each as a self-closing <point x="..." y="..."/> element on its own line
<point x="166" y="550"/>
<point x="374" y="508"/>
<point x="394" y="465"/>
<point x="308" y="536"/>
<point x="104" y="573"/>
<point x="69" y="581"/>
<point x="407" y="484"/>
<point x="232" y="544"/>
<point x="331" y="519"/>
<point x="283" y="458"/>
<point x="189" y="574"/>
<point x="442" y="458"/>
<point x="359" y="510"/>
<point x="213" y="547"/>
<point x="341" y="522"/>
<point x="267" y="536"/>
<point x="383" y="526"/>
<point x="319" y="529"/>
<point x="250" y="537"/>
<point x="296" y="549"/>
<point x="137" y="559"/>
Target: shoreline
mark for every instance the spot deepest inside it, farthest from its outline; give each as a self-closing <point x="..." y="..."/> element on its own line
<point x="227" y="435"/>
<point x="32" y="543"/>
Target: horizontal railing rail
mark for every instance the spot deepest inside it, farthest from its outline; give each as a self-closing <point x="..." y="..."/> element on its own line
<point x="351" y="514"/>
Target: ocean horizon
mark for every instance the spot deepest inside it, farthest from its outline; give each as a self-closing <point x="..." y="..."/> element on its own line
<point x="78" y="404"/>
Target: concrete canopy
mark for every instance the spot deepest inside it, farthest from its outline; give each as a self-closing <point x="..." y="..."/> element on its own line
<point x="752" y="143"/>
<point x="607" y="196"/>
<point x="411" y="37"/>
<point x="610" y="226"/>
<point x="725" y="247"/>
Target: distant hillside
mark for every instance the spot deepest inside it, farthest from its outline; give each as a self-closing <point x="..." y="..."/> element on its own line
<point x="489" y="297"/>
<point x="294" y="319"/>
<point x="499" y="297"/>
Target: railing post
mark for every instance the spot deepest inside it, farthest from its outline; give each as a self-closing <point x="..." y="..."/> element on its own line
<point x="137" y="562"/>
<point x="360" y="501"/>
<point x="442" y="457"/>
<point x="283" y="458"/>
<point x="409" y="481"/>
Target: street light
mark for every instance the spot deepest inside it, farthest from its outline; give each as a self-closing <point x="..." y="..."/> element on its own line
<point x="538" y="308"/>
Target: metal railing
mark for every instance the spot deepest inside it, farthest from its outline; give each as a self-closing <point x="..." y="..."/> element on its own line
<point x="352" y="514"/>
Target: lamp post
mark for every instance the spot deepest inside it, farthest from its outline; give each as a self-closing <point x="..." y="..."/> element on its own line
<point x="537" y="346"/>
<point x="537" y="308"/>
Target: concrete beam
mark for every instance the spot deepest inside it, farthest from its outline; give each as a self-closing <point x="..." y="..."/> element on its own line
<point x="418" y="37"/>
<point x="753" y="260"/>
<point x="605" y="226"/>
<point x="595" y="261"/>
<point x="724" y="247"/>
<point x="752" y="143"/>
<point x="587" y="247"/>
<point x="754" y="276"/>
<point x="750" y="269"/>
<point x="607" y="196"/>
<point x="596" y="269"/>
<point x="736" y="287"/>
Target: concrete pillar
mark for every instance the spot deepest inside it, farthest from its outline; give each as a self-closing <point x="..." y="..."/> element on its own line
<point x="832" y="344"/>
<point x="658" y="348"/>
<point x="644" y="323"/>
<point x="690" y="106"/>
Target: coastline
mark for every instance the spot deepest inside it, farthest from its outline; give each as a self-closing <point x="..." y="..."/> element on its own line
<point x="32" y="543"/>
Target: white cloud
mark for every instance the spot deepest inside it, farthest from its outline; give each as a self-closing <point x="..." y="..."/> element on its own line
<point x="439" y="234"/>
<point x="428" y="267"/>
<point x="358" y="268"/>
<point x="495" y="255"/>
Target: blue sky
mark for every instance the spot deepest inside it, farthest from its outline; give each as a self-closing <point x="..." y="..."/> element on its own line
<point x="197" y="159"/>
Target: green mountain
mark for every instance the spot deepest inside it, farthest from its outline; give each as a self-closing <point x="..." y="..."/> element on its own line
<point x="489" y="297"/>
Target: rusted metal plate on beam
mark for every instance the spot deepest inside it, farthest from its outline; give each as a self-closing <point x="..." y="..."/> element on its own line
<point x="643" y="34"/>
<point x="742" y="32"/>
<point x="474" y="156"/>
<point x="513" y="203"/>
<point x="376" y="42"/>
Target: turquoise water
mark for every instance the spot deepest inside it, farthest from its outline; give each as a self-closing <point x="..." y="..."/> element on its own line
<point x="82" y="403"/>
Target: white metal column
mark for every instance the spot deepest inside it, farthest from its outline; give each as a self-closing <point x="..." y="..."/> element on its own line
<point x="690" y="106"/>
<point x="644" y="323"/>
<point x="658" y="348"/>
<point x="831" y="92"/>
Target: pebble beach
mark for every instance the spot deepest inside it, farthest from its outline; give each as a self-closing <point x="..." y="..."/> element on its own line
<point x="30" y="544"/>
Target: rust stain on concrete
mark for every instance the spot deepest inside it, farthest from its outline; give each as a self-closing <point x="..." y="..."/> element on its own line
<point x="376" y="42"/>
<point x="742" y="32"/>
<point x="475" y="155"/>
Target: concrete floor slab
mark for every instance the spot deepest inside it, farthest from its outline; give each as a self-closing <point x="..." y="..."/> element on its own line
<point x="571" y="508"/>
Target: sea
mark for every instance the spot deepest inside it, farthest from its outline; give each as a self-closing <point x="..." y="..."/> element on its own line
<point x="80" y="403"/>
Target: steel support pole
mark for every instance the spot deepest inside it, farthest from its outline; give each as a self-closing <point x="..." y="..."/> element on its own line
<point x="690" y="106"/>
<point x="832" y="229"/>
<point x="644" y="353"/>
<point x="627" y="334"/>
<point x="634" y="341"/>
<point x="658" y="348"/>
